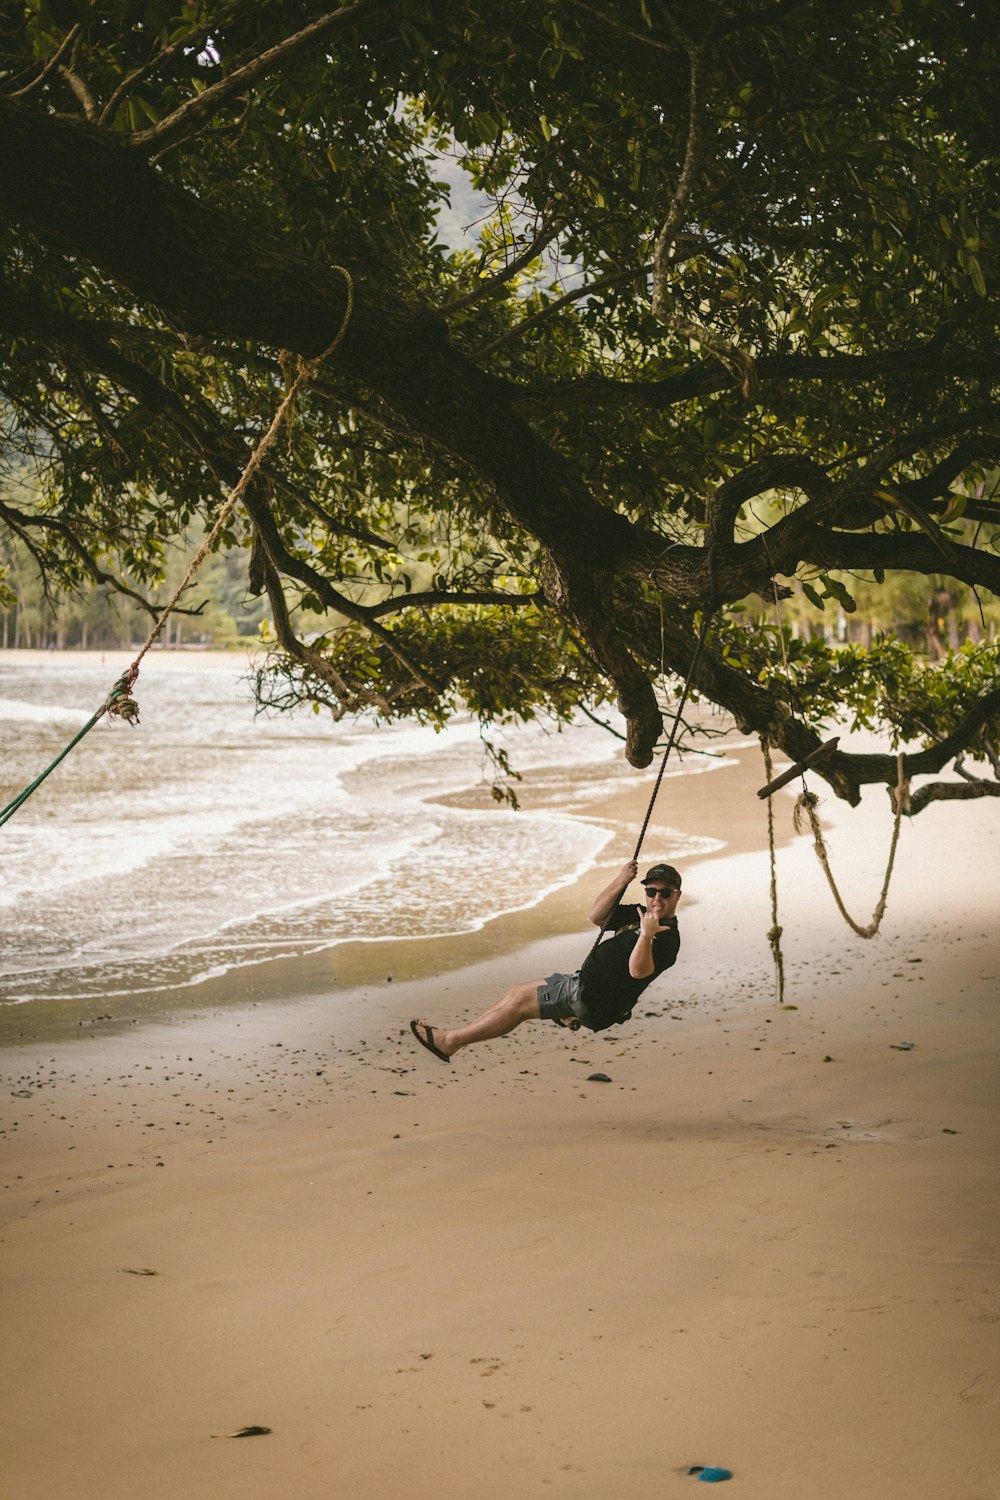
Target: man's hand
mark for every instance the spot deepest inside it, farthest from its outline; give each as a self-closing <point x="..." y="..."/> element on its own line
<point x="612" y="894"/>
<point x="649" y="924"/>
<point x="640" y="963"/>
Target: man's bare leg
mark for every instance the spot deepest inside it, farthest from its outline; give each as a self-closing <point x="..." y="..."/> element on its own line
<point x="519" y="1004"/>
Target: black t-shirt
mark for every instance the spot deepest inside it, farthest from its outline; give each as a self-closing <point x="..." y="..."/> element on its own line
<point x="607" y="988"/>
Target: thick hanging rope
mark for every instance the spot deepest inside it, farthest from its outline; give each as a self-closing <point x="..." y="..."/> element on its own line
<point x="774" y="935"/>
<point x="772" y="784"/>
<point x="119" y="704"/>
<point x="706" y="622"/>
<point x="805" y="808"/>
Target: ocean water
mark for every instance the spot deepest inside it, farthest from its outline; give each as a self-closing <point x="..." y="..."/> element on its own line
<point x="209" y="837"/>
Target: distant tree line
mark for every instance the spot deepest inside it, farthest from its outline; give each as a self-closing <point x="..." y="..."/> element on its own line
<point x="216" y="611"/>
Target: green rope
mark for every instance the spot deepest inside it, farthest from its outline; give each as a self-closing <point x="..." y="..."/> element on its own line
<point x="22" y="797"/>
<point x="117" y="705"/>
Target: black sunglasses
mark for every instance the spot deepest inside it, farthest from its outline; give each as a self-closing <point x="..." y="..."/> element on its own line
<point x="665" y="891"/>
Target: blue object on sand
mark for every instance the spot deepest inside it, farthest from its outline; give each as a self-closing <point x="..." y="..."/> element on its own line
<point x="710" y="1473"/>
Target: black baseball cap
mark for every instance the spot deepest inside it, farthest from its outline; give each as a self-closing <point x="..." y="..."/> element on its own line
<point x="666" y="873"/>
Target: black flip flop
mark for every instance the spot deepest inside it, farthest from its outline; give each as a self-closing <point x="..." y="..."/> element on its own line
<point x="428" y="1040"/>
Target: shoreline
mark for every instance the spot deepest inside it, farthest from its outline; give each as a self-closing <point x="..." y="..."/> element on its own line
<point x="694" y="810"/>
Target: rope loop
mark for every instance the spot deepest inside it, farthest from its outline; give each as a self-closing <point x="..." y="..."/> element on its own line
<point x="805" y="811"/>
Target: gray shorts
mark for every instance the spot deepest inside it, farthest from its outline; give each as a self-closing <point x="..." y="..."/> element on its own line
<point x="559" y="1000"/>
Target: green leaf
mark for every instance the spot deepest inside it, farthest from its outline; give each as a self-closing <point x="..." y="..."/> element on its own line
<point x="813" y="596"/>
<point x="837" y="590"/>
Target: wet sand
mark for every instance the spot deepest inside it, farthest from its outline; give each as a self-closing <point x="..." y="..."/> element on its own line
<point x="769" y="1242"/>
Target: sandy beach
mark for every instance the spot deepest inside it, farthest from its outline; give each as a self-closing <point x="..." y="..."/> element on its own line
<point x="769" y="1243"/>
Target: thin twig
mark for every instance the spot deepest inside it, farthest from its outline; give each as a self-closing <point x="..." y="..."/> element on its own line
<point x="80" y="89"/>
<point x="636" y="36"/>
<point x="53" y="63"/>
<point x="528" y="254"/>
<point x="613" y="279"/>
<point x="118" y="94"/>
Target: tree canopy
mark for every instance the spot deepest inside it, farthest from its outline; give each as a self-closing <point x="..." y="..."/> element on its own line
<point x="724" y="317"/>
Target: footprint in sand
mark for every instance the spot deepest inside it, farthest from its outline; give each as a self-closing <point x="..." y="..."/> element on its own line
<point x="978" y="1392"/>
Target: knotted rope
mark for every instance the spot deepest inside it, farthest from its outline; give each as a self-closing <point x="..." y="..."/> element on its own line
<point x="119" y="704"/>
<point x="774" y="935"/>
<point x="805" y="809"/>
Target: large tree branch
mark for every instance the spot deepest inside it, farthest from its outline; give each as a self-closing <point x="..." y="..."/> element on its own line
<point x="707" y="379"/>
<point x="796" y="539"/>
<point x="613" y="278"/>
<point x="430" y="598"/>
<point x="762" y="710"/>
<point x="221" y="277"/>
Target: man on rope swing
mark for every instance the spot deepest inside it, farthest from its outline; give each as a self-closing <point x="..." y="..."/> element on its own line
<point x="636" y="944"/>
